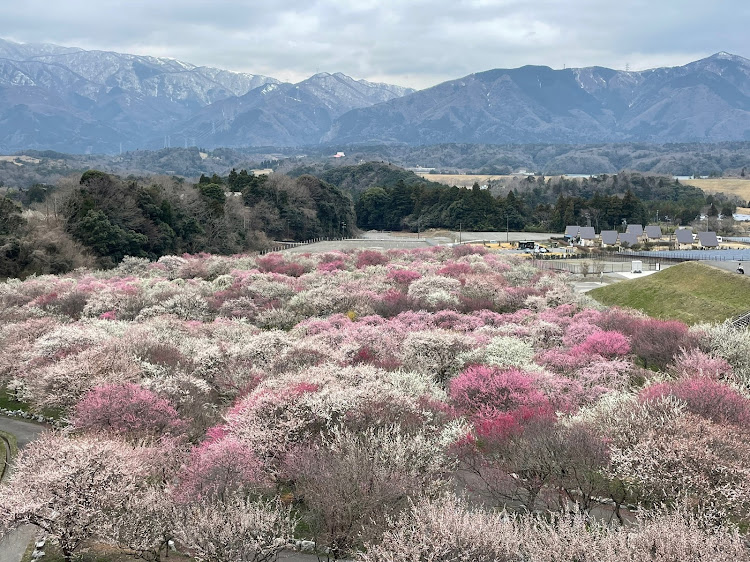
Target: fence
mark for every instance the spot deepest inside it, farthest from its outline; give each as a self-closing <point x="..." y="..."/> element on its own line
<point x="281" y="246"/>
<point x="633" y="256"/>
<point x="592" y="267"/>
<point x="658" y="257"/>
<point x="742" y="321"/>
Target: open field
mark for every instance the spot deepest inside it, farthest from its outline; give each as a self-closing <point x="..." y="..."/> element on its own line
<point x="691" y="292"/>
<point x="734" y="186"/>
<point x="462" y="180"/>
<point x="19" y="160"/>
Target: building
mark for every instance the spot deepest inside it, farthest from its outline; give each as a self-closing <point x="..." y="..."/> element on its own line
<point x="609" y="238"/>
<point x="587" y="235"/>
<point x="708" y="240"/>
<point x="653" y="233"/>
<point x="684" y="238"/>
<point x="636" y="229"/>
<point x="628" y="238"/>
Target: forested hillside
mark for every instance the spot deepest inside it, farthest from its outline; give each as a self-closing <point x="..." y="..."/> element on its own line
<point x="102" y="218"/>
<point x="537" y="203"/>
<point x="729" y="159"/>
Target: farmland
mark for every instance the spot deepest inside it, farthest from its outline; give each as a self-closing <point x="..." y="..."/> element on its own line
<point x="463" y="180"/>
<point x="730" y="186"/>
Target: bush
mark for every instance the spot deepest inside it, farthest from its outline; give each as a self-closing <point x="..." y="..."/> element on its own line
<point x="128" y="410"/>
<point x="706" y="397"/>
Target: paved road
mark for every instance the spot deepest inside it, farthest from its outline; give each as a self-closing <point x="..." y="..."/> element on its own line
<point x="390" y="240"/>
<point x="730" y="265"/>
<point x="375" y="244"/>
<point x="13" y="545"/>
<point x="24" y="431"/>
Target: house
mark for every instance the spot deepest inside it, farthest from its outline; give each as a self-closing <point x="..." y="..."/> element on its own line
<point x="628" y="238"/>
<point x="636" y="229"/>
<point x="708" y="240"/>
<point x="684" y="238"/>
<point x="609" y="238"/>
<point x="571" y="232"/>
<point x="653" y="233"/>
<point x="587" y="235"/>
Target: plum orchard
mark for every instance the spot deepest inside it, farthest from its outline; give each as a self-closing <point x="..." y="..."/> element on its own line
<point x="236" y="405"/>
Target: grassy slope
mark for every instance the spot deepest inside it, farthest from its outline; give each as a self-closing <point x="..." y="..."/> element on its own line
<point x="691" y="292"/>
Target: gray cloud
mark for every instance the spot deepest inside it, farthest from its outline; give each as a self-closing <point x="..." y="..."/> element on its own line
<point x="412" y="42"/>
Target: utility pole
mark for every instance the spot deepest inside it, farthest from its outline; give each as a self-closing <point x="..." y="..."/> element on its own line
<point x="46" y="204"/>
<point x="507" y="232"/>
<point x="459" y="233"/>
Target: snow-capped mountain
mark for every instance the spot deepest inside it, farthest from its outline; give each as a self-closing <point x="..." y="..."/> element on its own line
<point x="704" y="101"/>
<point x="74" y="100"/>
<point x="284" y="114"/>
<point x="77" y="100"/>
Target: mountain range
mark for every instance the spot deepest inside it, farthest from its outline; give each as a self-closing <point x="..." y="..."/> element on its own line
<point x="75" y="100"/>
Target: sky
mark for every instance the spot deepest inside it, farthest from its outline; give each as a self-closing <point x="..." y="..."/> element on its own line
<point x="416" y="43"/>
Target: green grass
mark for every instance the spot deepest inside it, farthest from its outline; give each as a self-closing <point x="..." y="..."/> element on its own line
<point x="8" y="401"/>
<point x="691" y="292"/>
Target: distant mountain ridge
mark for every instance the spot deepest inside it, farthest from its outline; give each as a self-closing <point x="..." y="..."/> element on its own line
<point x="283" y="114"/>
<point x="704" y="101"/>
<point x="74" y="100"/>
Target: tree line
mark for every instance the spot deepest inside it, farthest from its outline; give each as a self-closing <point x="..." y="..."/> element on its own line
<point x="538" y="204"/>
<point x="103" y="218"/>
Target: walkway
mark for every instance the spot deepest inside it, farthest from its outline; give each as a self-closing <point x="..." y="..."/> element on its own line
<point x="13" y="545"/>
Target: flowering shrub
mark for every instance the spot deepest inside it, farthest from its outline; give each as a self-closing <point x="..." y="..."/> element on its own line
<point x="403" y="276"/>
<point x="728" y="343"/>
<point x="482" y="388"/>
<point x="606" y="344"/>
<point x="333" y="381"/>
<point x="366" y="258"/>
<point x="658" y="341"/>
<point x="434" y="292"/>
<point x="217" y="469"/>
<point x="696" y="363"/>
<point x="447" y="528"/>
<point x="126" y="409"/>
<point x="435" y="353"/>
<point x="706" y="397"/>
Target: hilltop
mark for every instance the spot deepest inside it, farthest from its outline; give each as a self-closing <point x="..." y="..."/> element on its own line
<point x="691" y="292"/>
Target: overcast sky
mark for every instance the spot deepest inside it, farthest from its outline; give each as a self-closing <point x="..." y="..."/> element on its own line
<point x="414" y="43"/>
